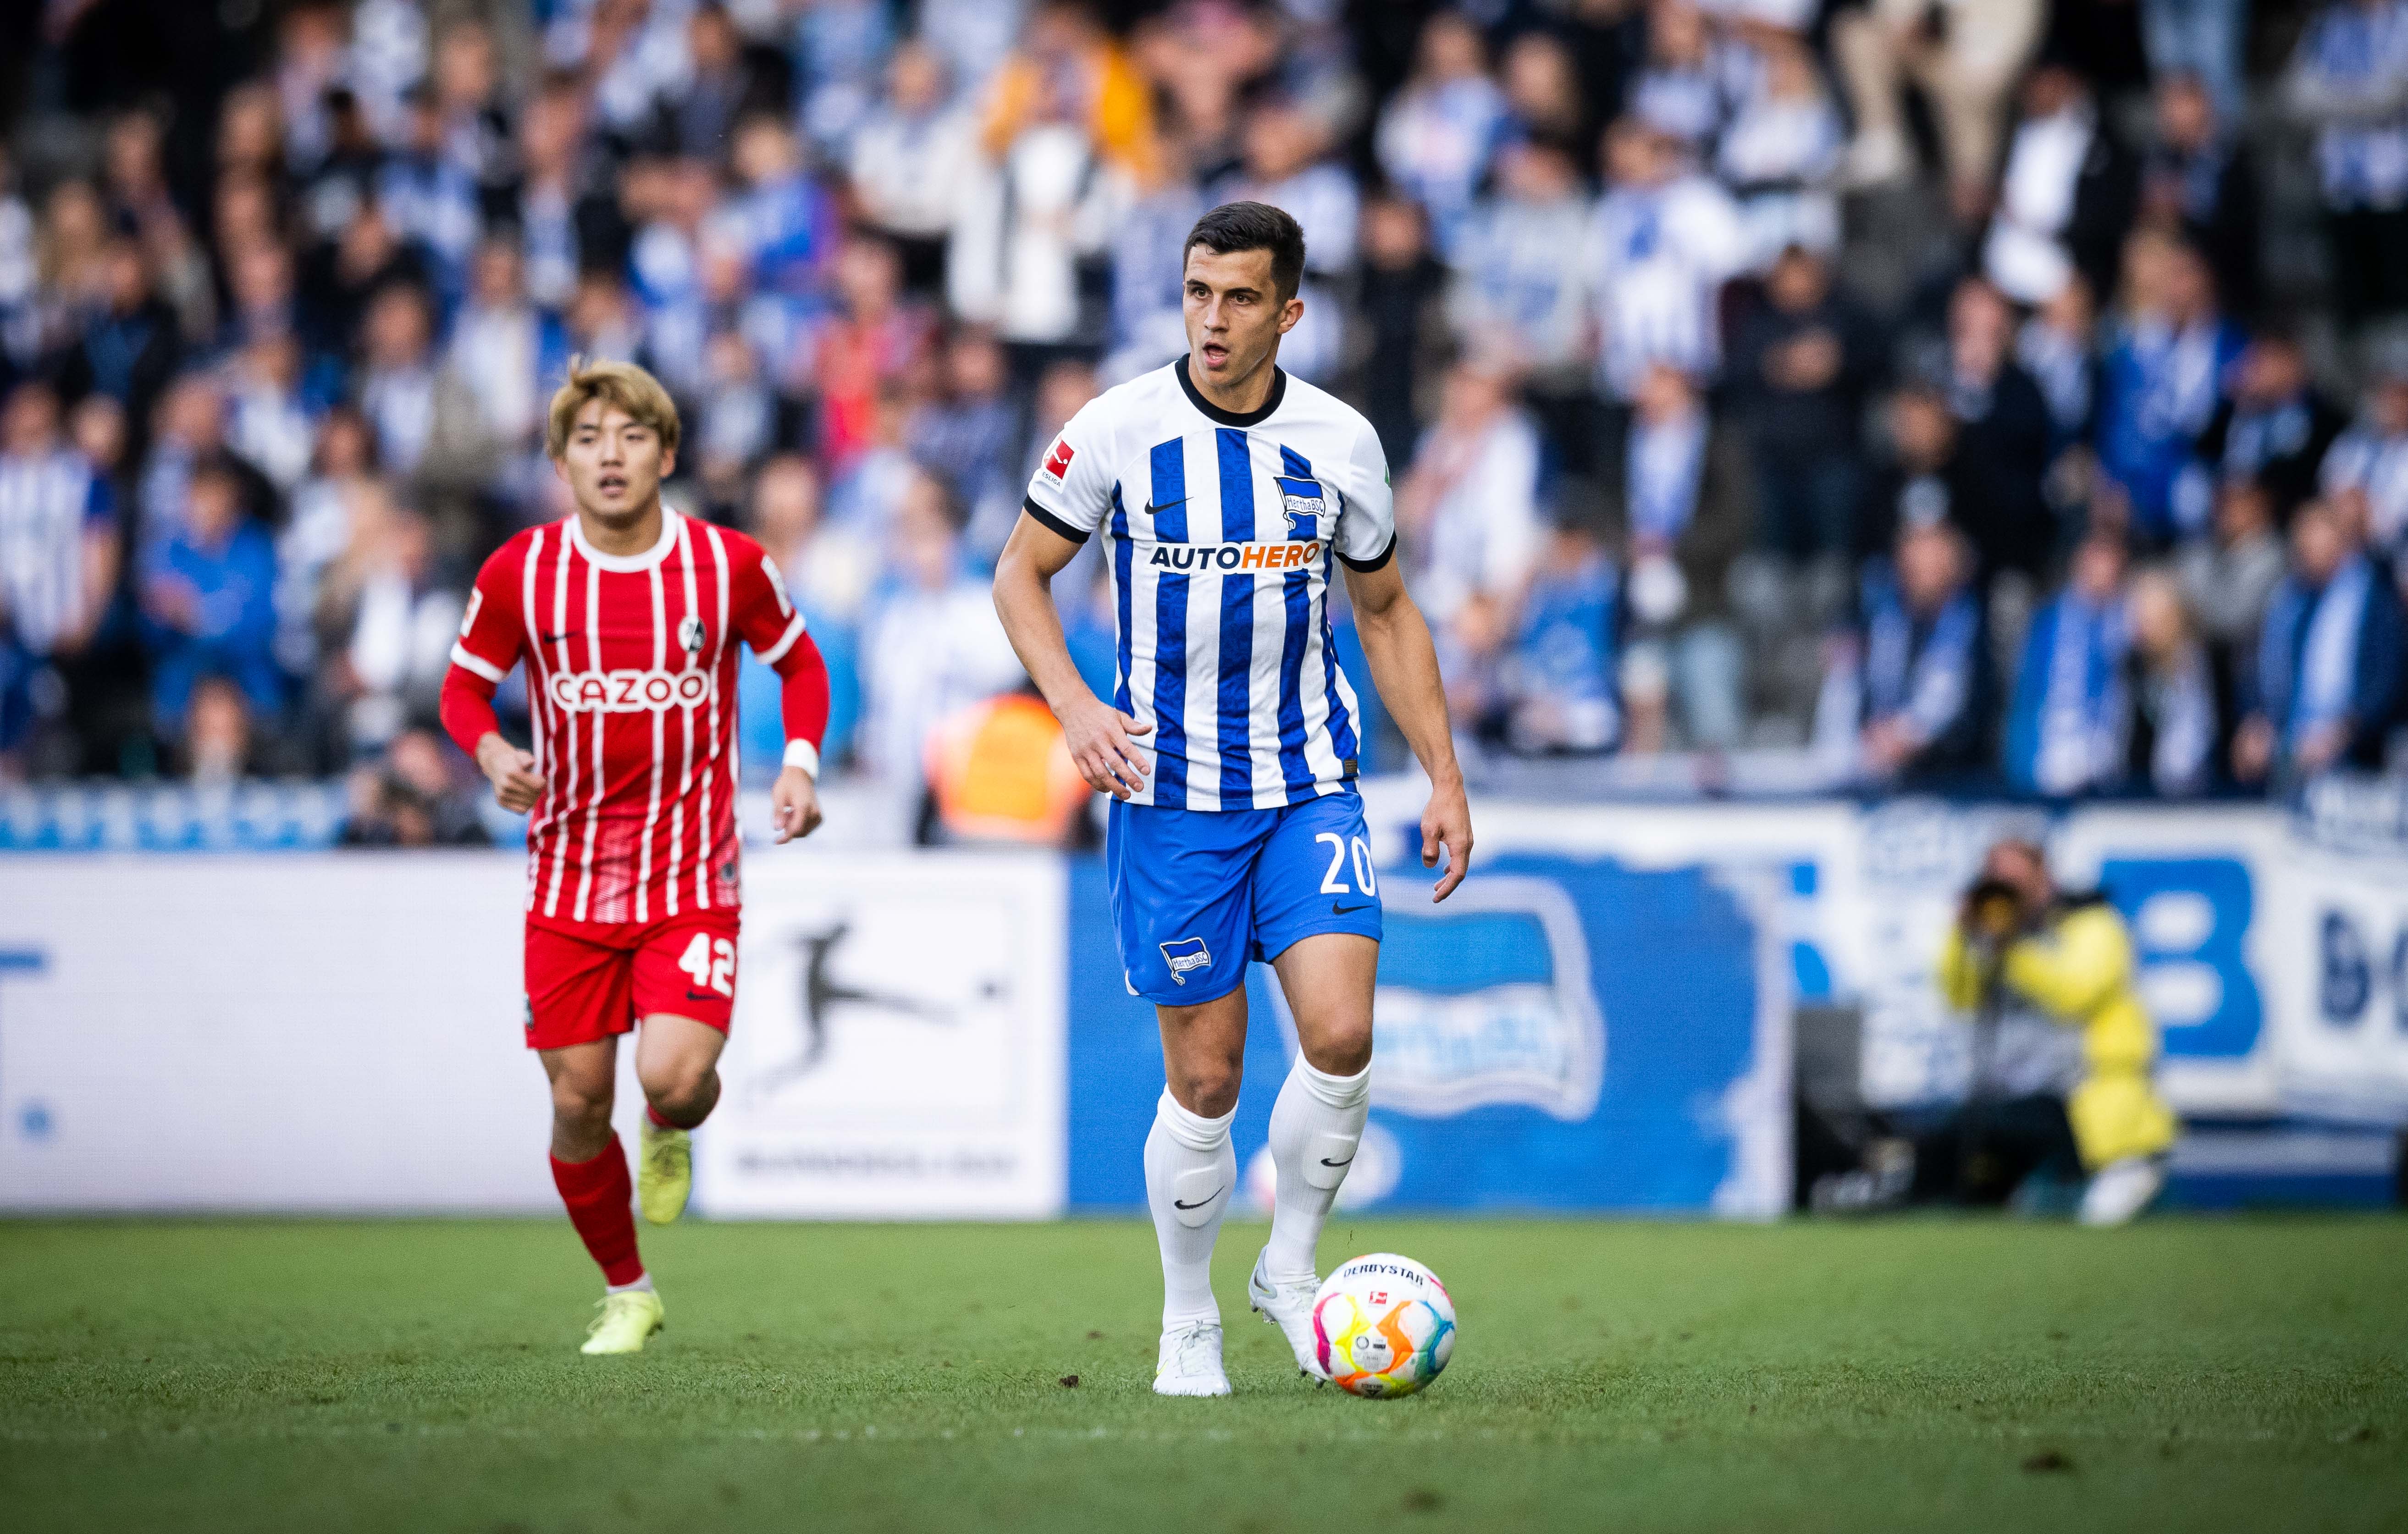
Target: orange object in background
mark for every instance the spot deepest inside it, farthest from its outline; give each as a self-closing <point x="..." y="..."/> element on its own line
<point x="1001" y="771"/>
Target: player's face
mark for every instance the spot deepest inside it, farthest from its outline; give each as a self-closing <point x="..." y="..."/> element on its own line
<point x="1234" y="315"/>
<point x="613" y="463"/>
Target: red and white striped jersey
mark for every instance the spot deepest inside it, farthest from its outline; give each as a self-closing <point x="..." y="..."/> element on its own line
<point x="631" y="686"/>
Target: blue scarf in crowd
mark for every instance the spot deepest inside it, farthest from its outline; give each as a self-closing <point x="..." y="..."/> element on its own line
<point x="2328" y="650"/>
<point x="2065" y="732"/>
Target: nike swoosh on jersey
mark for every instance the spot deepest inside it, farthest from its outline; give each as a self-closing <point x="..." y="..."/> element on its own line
<point x="1336" y="909"/>
<point x="1152" y="507"/>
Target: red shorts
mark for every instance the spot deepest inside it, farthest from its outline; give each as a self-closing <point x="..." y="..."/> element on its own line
<point x="589" y="979"/>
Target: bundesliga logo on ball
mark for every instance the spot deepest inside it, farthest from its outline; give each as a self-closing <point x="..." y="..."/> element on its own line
<point x="1384" y="1325"/>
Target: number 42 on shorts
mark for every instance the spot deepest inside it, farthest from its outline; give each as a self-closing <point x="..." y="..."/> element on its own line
<point x="712" y="962"/>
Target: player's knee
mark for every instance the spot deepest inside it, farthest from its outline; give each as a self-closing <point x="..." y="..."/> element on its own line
<point x="1340" y="1049"/>
<point x="1206" y="1087"/>
<point x="581" y="1104"/>
<point x="677" y="1087"/>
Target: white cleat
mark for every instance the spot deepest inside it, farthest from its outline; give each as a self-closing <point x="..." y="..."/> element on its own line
<point x="1289" y="1307"/>
<point x="1190" y="1362"/>
<point x="2122" y="1189"/>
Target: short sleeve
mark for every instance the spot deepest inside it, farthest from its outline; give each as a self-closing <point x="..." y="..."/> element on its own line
<point x="1367" y="523"/>
<point x="493" y="631"/>
<point x="1073" y="483"/>
<point x="760" y="611"/>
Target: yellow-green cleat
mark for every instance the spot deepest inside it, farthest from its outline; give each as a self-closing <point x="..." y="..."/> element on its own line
<point x="663" y="1172"/>
<point x="627" y="1321"/>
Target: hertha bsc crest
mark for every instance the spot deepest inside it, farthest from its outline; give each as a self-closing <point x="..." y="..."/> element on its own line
<point x="1186" y="953"/>
<point x="690" y="634"/>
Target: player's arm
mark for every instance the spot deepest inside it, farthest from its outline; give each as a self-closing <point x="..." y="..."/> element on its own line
<point x="767" y="620"/>
<point x="1404" y="667"/>
<point x="1097" y="733"/>
<point x="1404" y="663"/>
<point x="1066" y="497"/>
<point x="489" y="639"/>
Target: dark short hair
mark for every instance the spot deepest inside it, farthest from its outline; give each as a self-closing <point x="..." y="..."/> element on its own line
<point x="1252" y="226"/>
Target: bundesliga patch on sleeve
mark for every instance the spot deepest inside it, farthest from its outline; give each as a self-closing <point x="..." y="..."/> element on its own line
<point x="1057" y="463"/>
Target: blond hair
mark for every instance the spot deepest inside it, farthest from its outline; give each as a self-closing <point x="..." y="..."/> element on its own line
<point x="621" y="384"/>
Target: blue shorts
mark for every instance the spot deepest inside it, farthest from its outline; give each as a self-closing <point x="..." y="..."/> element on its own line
<point x="1196" y="893"/>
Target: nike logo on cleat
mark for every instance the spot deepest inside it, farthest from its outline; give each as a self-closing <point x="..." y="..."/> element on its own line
<point x="1336" y="909"/>
<point x="1200" y="1202"/>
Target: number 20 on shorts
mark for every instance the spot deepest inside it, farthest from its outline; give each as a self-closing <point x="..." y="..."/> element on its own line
<point x="712" y="962"/>
<point x="1334" y="880"/>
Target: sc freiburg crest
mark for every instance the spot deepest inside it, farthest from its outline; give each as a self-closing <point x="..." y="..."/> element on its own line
<point x="690" y="634"/>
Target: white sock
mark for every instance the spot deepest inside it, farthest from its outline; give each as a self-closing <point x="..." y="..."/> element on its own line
<point x="1316" y="1126"/>
<point x="1190" y="1168"/>
<point x="642" y="1285"/>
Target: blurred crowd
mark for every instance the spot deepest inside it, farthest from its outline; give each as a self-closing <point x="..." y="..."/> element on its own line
<point x="1950" y="391"/>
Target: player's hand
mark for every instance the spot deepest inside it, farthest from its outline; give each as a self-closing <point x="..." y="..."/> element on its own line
<point x="794" y="805"/>
<point x="1447" y="823"/>
<point x="511" y="771"/>
<point x="1098" y="735"/>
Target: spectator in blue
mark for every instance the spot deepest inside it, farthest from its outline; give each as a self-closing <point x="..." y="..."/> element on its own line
<point x="2349" y="80"/>
<point x="967" y="436"/>
<point x="1803" y="363"/>
<point x="1688" y="502"/>
<point x="1558" y="672"/>
<point x="1520" y="278"/>
<point x="1436" y="136"/>
<point x="2160" y="389"/>
<point x="2179" y="708"/>
<point x="2197" y="177"/>
<point x="1909" y="701"/>
<point x="2067" y="723"/>
<point x="2330" y="661"/>
<point x="431" y="199"/>
<point x="129" y="348"/>
<point x="209" y="600"/>
<point x="783" y="216"/>
<point x="2273" y="427"/>
<point x="2200" y="40"/>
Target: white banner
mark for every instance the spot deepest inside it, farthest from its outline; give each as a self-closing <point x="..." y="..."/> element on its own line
<point x="340" y="1031"/>
<point x="281" y="1031"/>
<point x="2338" y="935"/>
<point x="899" y="1049"/>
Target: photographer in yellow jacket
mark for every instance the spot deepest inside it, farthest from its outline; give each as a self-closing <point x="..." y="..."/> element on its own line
<point x="2071" y="956"/>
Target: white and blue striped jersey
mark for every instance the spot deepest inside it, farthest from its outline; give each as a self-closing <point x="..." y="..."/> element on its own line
<point x="1220" y="533"/>
<point x="50" y="502"/>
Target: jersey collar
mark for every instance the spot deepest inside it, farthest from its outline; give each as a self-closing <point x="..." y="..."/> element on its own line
<point x="1231" y="418"/>
<point x="628" y="563"/>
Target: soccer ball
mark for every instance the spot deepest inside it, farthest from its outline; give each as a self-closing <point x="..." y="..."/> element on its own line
<point x="1384" y="1325"/>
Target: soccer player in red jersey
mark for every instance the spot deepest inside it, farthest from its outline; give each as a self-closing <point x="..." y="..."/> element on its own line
<point x="626" y="617"/>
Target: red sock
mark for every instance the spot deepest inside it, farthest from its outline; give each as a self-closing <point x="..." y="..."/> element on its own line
<point x="599" y="1193"/>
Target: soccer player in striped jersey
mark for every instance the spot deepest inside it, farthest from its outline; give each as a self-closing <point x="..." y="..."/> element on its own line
<point x="626" y="616"/>
<point x="1229" y="496"/>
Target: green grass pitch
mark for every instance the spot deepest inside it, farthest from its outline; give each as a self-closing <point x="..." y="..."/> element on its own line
<point x="1943" y="1374"/>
